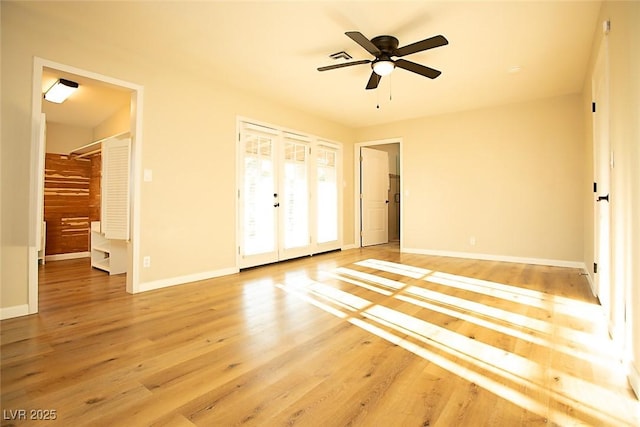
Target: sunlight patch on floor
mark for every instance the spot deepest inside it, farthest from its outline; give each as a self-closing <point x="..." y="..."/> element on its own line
<point x="450" y="348"/>
<point x="515" y="294"/>
<point x="597" y="342"/>
<point x="393" y="267"/>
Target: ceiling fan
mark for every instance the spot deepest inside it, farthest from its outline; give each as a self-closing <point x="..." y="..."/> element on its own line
<point x="385" y="47"/>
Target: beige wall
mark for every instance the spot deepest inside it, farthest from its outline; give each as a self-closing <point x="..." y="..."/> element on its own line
<point x="508" y="176"/>
<point x="62" y="139"/>
<point x="188" y="210"/>
<point x="624" y="69"/>
<point x="118" y="123"/>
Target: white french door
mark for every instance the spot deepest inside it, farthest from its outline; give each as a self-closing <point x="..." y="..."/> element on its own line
<point x="288" y="195"/>
<point x="327" y="197"/>
<point x="258" y="196"/>
<point x="294" y="233"/>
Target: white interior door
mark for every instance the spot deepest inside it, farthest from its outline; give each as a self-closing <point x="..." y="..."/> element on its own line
<point x="374" y="184"/>
<point x="602" y="175"/>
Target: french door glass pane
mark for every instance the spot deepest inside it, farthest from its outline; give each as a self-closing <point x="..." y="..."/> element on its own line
<point x="327" y="199"/>
<point x="258" y="218"/>
<point x="295" y="200"/>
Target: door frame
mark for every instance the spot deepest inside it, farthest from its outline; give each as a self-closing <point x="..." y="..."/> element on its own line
<point x="35" y="192"/>
<point x="357" y="187"/>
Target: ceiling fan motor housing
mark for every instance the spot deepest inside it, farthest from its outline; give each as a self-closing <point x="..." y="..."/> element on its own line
<point x="386" y="44"/>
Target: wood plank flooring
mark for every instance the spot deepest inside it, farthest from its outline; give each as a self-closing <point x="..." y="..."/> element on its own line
<point x="367" y="337"/>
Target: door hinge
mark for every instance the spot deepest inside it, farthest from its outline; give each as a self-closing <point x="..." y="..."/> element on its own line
<point x="361" y="195"/>
<point x="595" y="187"/>
<point x="593" y="107"/>
<point x="238" y="250"/>
<point x="595" y="267"/>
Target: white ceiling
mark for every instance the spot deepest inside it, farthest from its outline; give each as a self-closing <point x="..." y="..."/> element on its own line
<point x="273" y="49"/>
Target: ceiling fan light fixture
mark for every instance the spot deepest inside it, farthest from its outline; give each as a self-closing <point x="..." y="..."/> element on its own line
<point x="383" y="67"/>
<point x="60" y="91"/>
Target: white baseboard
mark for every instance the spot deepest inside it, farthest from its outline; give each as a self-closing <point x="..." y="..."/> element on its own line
<point x="62" y="257"/>
<point x="14" y="311"/>
<point x="491" y="257"/>
<point x="634" y="379"/>
<point x="181" y="280"/>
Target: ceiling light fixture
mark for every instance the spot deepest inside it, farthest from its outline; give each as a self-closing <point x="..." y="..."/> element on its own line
<point x="383" y="67"/>
<point x="60" y="91"/>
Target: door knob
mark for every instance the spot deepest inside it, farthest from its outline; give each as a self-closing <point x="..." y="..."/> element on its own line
<point x="601" y="198"/>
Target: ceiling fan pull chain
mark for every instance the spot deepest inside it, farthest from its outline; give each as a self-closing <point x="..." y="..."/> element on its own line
<point x="378" y="98"/>
<point x="390" y="78"/>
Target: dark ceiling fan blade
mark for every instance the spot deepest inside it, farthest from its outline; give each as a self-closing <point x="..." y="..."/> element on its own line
<point x="430" y="43"/>
<point x="345" y="64"/>
<point x="417" y="68"/>
<point x="364" y="42"/>
<point x="374" y="81"/>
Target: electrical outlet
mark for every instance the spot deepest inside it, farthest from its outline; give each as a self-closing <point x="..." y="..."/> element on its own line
<point x="146" y="261"/>
<point x="472" y="240"/>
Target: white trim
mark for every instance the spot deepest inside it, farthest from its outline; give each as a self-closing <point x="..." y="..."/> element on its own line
<point x="492" y="257"/>
<point x="133" y="246"/>
<point x="356" y="184"/>
<point x="32" y="279"/>
<point x="181" y="280"/>
<point x="71" y="255"/>
<point x="634" y="379"/>
<point x="14" y="311"/>
<point x="133" y="273"/>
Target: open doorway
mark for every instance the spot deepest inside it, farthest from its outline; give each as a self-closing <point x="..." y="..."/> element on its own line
<point x="75" y="133"/>
<point x="68" y="138"/>
<point x="378" y="192"/>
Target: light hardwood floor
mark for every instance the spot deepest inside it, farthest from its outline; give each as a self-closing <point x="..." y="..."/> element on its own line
<point x="366" y="337"/>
